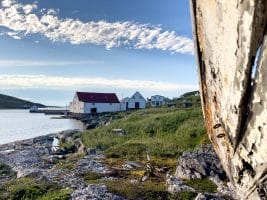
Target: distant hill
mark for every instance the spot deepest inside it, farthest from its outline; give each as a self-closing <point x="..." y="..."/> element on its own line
<point x="190" y="94"/>
<point x="9" y="102"/>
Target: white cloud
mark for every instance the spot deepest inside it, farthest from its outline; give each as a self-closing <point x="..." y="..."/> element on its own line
<point x="13" y="35"/>
<point x="30" y="63"/>
<point x="7" y="3"/>
<point x="21" y="19"/>
<point x="29" y="8"/>
<point x="56" y="82"/>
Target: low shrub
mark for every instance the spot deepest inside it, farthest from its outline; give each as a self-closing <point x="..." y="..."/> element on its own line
<point x="28" y="188"/>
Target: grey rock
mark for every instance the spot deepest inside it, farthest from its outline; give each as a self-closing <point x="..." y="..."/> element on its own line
<point x="32" y="172"/>
<point x="65" y="178"/>
<point x="96" y="192"/>
<point x="176" y="185"/>
<point x="133" y="164"/>
<point x="91" y="151"/>
<point x="210" y="196"/>
<point x="226" y="189"/>
<point x="91" y="163"/>
<point x="144" y="178"/>
<point x="200" y="163"/>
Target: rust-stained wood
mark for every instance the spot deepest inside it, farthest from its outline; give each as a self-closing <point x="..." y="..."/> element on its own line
<point x="228" y="35"/>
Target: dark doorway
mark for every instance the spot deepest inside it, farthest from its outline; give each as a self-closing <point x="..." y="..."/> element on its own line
<point x="127" y="105"/>
<point x="137" y="105"/>
<point x="93" y="110"/>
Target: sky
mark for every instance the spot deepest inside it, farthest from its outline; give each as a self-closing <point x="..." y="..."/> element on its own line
<point x="51" y="48"/>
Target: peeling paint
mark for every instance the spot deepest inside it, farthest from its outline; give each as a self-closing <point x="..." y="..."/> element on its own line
<point x="227" y="35"/>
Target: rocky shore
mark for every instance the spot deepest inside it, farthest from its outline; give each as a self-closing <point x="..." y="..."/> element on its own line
<point x="42" y="159"/>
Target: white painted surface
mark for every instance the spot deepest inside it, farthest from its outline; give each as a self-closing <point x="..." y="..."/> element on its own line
<point x="157" y="100"/>
<point x="123" y="104"/>
<point x="137" y="98"/>
<point x="102" y="107"/>
<point x="76" y="106"/>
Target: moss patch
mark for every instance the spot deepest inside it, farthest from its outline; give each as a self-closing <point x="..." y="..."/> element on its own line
<point x="147" y="190"/>
<point x="28" y="188"/>
<point x="90" y="176"/>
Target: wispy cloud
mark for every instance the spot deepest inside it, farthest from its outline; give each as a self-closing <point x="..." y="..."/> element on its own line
<point x="57" y="82"/>
<point x="26" y="19"/>
<point x="36" y="63"/>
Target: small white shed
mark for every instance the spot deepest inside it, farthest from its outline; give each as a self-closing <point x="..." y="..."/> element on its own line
<point x="137" y="101"/>
<point x="124" y="103"/>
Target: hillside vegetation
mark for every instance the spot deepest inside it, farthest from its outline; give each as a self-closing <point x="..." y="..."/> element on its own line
<point x="162" y="132"/>
<point x="9" y="102"/>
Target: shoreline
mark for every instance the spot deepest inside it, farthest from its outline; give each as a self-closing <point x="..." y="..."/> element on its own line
<point x="39" y="160"/>
<point x="19" y="125"/>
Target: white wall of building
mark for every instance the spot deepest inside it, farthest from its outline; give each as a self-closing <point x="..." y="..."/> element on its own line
<point x="123" y="106"/>
<point x="124" y="103"/>
<point x="102" y="107"/>
<point x="76" y="106"/>
<point x="137" y="98"/>
<point x="157" y="100"/>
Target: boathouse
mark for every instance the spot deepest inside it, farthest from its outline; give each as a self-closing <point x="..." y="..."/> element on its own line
<point x="92" y="103"/>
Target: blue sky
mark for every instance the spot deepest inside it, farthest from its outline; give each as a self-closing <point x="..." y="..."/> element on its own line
<point x="50" y="49"/>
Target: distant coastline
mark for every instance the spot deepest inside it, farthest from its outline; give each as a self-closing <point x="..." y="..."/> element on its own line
<point x="9" y="102"/>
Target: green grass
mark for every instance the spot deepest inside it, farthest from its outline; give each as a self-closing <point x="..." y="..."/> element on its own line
<point x="31" y="189"/>
<point x="62" y="194"/>
<point x="68" y="147"/>
<point x="90" y="176"/>
<point x="163" y="132"/>
<point x="185" y="195"/>
<point x="202" y="185"/>
<point x="149" y="190"/>
<point x="146" y="190"/>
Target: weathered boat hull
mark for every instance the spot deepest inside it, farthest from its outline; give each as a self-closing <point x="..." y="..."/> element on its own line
<point x="229" y="35"/>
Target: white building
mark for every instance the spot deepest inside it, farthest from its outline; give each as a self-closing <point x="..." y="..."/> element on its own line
<point x="137" y="101"/>
<point x="157" y="100"/>
<point x="125" y="104"/>
<point x="91" y="103"/>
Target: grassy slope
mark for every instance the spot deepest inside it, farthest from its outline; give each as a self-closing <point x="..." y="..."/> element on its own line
<point x="163" y="132"/>
<point x="8" y="102"/>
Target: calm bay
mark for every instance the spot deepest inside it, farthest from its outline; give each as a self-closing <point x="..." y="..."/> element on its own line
<point x="20" y="124"/>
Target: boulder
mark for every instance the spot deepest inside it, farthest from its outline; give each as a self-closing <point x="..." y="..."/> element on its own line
<point x="176" y="185"/>
<point x="200" y="163"/>
<point x="131" y="165"/>
<point x="209" y="196"/>
<point x="31" y="172"/>
<point x="91" y="151"/>
<point x="96" y="192"/>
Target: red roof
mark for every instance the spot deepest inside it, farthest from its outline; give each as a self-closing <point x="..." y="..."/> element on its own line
<point x="92" y="97"/>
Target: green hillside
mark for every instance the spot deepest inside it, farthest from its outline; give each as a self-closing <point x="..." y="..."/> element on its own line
<point x="164" y="132"/>
<point x="9" y="102"/>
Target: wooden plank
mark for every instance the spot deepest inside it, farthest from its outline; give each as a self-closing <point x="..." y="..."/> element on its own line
<point x="227" y="37"/>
